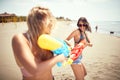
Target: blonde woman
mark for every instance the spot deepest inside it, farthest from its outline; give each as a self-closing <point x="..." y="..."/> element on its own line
<point x="35" y="63"/>
<point x="78" y="35"/>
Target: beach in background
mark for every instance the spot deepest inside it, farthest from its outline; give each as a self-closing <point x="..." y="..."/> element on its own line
<point x="102" y="61"/>
<point x="104" y="27"/>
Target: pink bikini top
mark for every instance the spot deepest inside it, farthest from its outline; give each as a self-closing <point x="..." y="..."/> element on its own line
<point x="25" y="73"/>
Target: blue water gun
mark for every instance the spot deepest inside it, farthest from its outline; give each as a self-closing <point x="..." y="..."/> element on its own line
<point x="58" y="47"/>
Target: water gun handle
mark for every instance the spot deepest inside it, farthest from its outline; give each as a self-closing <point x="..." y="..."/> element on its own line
<point x="59" y="64"/>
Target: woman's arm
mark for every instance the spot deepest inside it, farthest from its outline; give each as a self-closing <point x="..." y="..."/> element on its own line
<point x="89" y="42"/>
<point x="25" y="56"/>
<point x="70" y="36"/>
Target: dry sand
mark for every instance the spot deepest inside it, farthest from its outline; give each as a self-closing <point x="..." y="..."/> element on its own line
<point x="102" y="61"/>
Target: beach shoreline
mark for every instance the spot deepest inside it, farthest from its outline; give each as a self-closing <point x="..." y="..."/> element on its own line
<point x="101" y="61"/>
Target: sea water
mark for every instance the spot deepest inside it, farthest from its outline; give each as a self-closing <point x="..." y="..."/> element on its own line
<point x="104" y="27"/>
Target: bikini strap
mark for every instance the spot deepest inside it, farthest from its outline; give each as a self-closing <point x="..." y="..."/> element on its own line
<point x="28" y="36"/>
<point x="82" y="37"/>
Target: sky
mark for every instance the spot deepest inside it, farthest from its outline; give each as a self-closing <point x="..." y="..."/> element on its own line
<point x="94" y="10"/>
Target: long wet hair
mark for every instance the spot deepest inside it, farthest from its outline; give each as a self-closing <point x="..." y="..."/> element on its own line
<point x="38" y="19"/>
<point x="84" y="20"/>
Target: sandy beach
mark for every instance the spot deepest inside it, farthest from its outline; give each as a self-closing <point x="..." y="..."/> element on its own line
<point x="102" y="61"/>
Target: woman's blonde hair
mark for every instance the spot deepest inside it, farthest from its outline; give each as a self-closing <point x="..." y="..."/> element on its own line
<point x="38" y="19"/>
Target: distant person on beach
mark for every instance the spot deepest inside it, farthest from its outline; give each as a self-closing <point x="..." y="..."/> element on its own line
<point x="35" y="63"/>
<point x="78" y="35"/>
<point x="96" y="28"/>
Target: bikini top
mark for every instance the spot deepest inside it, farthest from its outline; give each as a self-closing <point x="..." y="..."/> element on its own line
<point x="82" y="37"/>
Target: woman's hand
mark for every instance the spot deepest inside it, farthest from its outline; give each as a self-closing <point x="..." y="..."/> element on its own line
<point x="89" y="44"/>
<point x="60" y="58"/>
<point x="68" y="44"/>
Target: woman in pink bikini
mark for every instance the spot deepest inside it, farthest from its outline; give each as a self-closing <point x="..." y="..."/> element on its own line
<point x="35" y="63"/>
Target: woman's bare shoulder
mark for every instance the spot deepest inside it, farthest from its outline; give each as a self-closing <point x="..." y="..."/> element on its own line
<point x="18" y="38"/>
<point x="87" y="33"/>
<point x="75" y="31"/>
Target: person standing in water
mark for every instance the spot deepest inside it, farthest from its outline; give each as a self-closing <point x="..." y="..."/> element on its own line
<point x="96" y="28"/>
